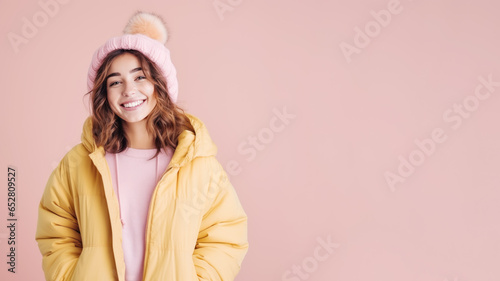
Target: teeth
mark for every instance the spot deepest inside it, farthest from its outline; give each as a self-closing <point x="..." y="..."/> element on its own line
<point x="133" y="104"/>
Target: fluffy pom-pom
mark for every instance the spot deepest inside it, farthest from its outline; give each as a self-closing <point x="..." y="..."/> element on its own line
<point x="148" y="24"/>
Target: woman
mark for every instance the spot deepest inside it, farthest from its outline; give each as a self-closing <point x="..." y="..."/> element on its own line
<point x="142" y="197"/>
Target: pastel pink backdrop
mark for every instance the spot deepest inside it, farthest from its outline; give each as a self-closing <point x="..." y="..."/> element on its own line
<point x="321" y="175"/>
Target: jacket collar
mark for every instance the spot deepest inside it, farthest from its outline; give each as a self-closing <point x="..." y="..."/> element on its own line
<point x="189" y="145"/>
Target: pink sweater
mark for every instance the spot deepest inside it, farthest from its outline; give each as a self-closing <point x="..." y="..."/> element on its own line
<point x="136" y="181"/>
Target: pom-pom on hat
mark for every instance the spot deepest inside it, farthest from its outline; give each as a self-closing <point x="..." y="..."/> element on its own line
<point x="146" y="33"/>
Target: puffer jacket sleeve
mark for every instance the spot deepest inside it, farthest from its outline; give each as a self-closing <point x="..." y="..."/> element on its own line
<point x="222" y="240"/>
<point x="57" y="232"/>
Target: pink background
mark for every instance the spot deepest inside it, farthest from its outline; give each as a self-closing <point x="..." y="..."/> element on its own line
<point x="321" y="176"/>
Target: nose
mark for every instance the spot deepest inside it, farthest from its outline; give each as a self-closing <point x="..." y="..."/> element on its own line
<point x="129" y="89"/>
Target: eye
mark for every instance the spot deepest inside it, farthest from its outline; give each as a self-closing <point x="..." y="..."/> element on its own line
<point x="141" y="77"/>
<point x="113" y="83"/>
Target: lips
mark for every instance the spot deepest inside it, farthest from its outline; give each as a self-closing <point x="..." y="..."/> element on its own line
<point x="133" y="104"/>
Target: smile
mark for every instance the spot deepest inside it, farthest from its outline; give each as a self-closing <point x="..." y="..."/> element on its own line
<point x="133" y="104"/>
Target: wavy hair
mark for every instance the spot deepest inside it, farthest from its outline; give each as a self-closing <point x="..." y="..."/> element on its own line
<point x="165" y="122"/>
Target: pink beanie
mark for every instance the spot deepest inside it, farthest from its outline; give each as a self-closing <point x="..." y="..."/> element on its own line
<point x="146" y="33"/>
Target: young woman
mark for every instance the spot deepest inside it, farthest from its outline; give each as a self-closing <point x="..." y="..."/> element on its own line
<point x="142" y="197"/>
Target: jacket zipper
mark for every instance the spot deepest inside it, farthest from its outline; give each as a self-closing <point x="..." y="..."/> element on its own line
<point x="98" y="163"/>
<point x="148" y="225"/>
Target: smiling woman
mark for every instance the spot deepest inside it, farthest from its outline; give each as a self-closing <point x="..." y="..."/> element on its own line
<point x="114" y="208"/>
<point x="129" y="85"/>
<point x="131" y="96"/>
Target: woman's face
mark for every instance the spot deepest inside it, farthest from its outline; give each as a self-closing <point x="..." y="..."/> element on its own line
<point x="130" y="94"/>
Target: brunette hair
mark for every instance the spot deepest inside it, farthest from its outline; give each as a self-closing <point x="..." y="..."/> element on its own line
<point x="165" y="122"/>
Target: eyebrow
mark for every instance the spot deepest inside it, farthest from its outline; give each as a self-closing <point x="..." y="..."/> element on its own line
<point x="118" y="74"/>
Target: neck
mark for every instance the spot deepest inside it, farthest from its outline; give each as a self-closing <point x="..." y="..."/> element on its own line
<point x="137" y="135"/>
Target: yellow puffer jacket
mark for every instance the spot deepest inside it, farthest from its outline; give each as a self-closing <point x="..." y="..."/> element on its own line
<point x="196" y="228"/>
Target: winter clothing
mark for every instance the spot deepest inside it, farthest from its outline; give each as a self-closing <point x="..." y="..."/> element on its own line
<point x="135" y="174"/>
<point x="146" y="33"/>
<point x="196" y="227"/>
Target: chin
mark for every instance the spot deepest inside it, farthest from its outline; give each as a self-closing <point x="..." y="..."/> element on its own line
<point x="133" y="120"/>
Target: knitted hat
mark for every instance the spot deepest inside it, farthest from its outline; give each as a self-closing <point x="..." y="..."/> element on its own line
<point x="146" y="33"/>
